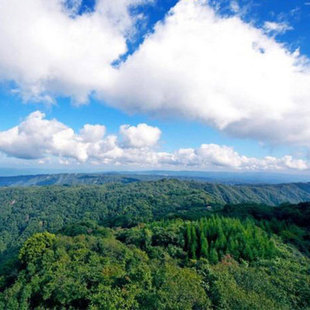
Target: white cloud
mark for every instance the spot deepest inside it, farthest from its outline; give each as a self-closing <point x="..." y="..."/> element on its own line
<point x="37" y="137"/>
<point x="140" y="136"/>
<point x="47" y="52"/>
<point x="92" y="133"/>
<point x="277" y="28"/>
<point x="213" y="156"/>
<point x="196" y="64"/>
<point x="221" y="71"/>
<point x="42" y="139"/>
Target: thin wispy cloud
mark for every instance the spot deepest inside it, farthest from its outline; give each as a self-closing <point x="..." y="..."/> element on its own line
<point x="277" y="28"/>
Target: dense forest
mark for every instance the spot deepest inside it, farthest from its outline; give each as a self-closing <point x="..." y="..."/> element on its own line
<point x="232" y="188"/>
<point x="165" y="244"/>
<point x="169" y="264"/>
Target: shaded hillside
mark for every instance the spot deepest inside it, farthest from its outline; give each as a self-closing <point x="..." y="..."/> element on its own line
<point x="266" y="193"/>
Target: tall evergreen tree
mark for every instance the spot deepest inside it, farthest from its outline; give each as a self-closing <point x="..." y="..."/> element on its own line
<point x="194" y="244"/>
<point x="204" y="247"/>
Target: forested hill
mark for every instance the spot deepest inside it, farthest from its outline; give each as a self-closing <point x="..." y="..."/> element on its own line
<point x="214" y="263"/>
<point x="272" y="194"/>
<point x="25" y="210"/>
<point x="165" y="244"/>
<point x="263" y="194"/>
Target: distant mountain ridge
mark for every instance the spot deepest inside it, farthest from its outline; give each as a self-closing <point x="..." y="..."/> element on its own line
<point x="230" y="178"/>
<point x="68" y="179"/>
<point x="271" y="194"/>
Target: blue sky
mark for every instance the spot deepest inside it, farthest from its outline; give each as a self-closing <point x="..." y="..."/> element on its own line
<point x="107" y="71"/>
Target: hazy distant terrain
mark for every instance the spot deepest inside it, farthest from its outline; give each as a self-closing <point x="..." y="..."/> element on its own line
<point x="129" y="177"/>
<point x="70" y="179"/>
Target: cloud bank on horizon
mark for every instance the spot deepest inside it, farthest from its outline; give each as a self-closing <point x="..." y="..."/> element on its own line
<point x="134" y="146"/>
<point x="195" y="63"/>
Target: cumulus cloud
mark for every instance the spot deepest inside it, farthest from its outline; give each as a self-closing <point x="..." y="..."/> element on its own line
<point x="48" y="50"/>
<point x="92" y="133"/>
<point x="140" y="136"/>
<point x="37" y="137"/>
<point x="212" y="156"/>
<point x="195" y="64"/>
<point x="42" y="139"/>
<point x="219" y="70"/>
